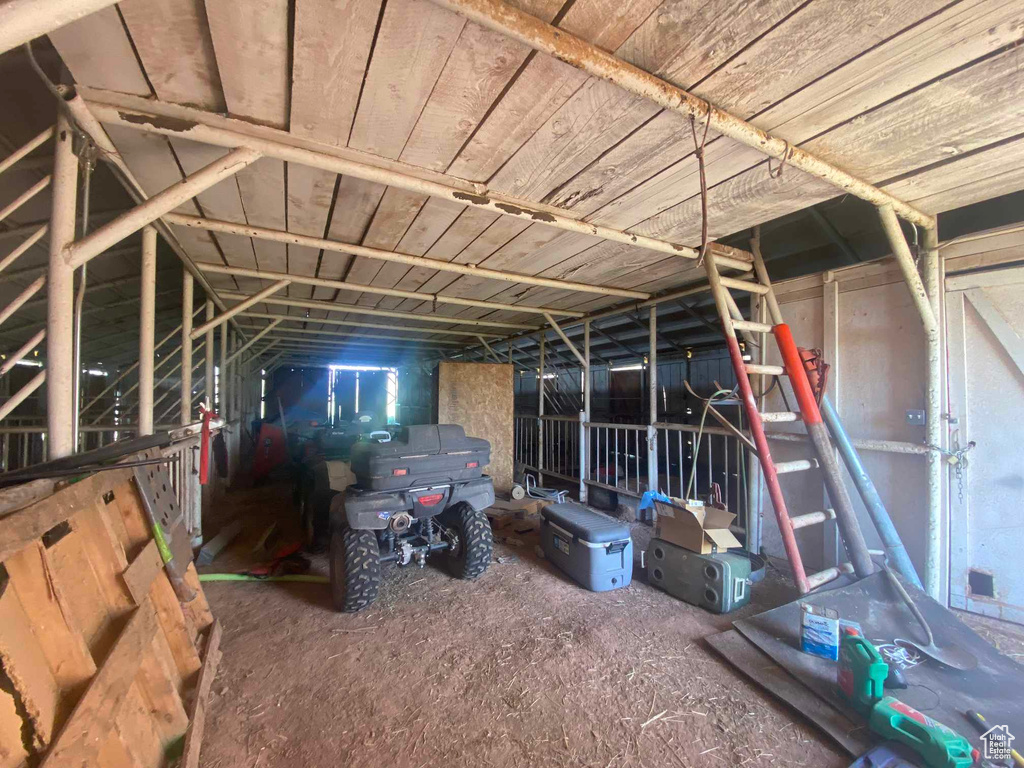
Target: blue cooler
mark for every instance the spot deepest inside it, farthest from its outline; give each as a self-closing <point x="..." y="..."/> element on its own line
<point x="594" y="549"/>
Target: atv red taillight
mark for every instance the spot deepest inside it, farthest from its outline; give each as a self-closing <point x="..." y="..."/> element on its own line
<point x="472" y="464"/>
<point x="431" y="500"/>
<point x="399" y="472"/>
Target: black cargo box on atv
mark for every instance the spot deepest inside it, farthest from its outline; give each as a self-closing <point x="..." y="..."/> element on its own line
<point x="419" y="456"/>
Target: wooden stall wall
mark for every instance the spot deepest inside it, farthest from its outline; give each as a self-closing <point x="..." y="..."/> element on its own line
<point x="479" y="396"/>
<point x="99" y="661"/>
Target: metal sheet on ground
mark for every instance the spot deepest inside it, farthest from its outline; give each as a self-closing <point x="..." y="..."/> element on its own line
<point x="993" y="688"/>
<point x="745" y="656"/>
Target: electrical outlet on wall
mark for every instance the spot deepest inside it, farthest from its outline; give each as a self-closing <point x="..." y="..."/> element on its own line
<point x="915" y="417"/>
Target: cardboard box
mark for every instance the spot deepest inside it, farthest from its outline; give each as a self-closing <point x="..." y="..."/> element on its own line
<point x="695" y="526"/>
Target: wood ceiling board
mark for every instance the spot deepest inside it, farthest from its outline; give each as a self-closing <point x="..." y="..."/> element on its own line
<point x="413" y="44"/>
<point x="353" y="212"/>
<point x="966" y="110"/>
<point x="583" y="130"/>
<point x="252" y="47"/>
<point x="478" y="70"/>
<point x="434" y="219"/>
<point x="598" y="116"/>
<point x="942" y="42"/>
<point x="331" y="49"/>
<point x="545" y="84"/>
<point x="963" y="181"/>
<point x="174" y="44"/>
<point x="469" y="225"/>
<point x="396" y="212"/>
<point x="310" y="194"/>
<point x="742" y="201"/>
<point x="97" y="51"/>
<point x="656" y="146"/>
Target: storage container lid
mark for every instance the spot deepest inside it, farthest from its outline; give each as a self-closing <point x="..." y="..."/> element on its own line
<point x="585" y="524"/>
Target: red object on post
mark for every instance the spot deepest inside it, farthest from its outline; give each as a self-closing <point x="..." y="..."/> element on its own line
<point x="204" y="446"/>
<point x="797" y="374"/>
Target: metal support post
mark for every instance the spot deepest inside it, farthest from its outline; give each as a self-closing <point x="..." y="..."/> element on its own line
<point x="209" y="376"/>
<point x="220" y="404"/>
<point x="186" y="346"/>
<point x="147" y="328"/>
<point x="540" y="411"/>
<point x="585" y="416"/>
<point x="652" y="395"/>
<point x="935" y="567"/>
<point x="60" y="297"/>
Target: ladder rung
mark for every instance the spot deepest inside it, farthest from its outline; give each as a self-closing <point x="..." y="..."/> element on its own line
<point x="800" y="465"/>
<point x="767" y="370"/>
<point x="778" y="416"/>
<point x="815" y="580"/>
<point x="744" y="285"/>
<point x="750" y="325"/>
<point x="812" y="518"/>
<point x="730" y="263"/>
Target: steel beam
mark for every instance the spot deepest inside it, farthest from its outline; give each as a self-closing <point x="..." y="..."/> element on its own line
<point x="336" y="246"/>
<point x="156" y="206"/>
<point x="261" y="274"/>
<point x="60" y="317"/>
<point x="186" y="346"/>
<point x="144" y="115"/>
<point x="147" y="330"/>
<point x="241" y="307"/>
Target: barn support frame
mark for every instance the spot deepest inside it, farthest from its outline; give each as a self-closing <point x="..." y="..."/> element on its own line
<point x="246" y="148"/>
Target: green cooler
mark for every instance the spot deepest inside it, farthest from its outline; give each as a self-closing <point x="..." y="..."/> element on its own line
<point x="720" y="582"/>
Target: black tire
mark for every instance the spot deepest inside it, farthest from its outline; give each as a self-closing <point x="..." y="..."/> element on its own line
<point x="472" y="555"/>
<point x="355" y="569"/>
<point x="306" y="519"/>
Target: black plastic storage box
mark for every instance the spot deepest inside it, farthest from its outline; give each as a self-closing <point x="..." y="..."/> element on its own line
<point x="429" y="454"/>
<point x="594" y="549"/>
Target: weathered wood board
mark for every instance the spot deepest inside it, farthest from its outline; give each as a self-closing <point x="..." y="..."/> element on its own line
<point x="479" y="396"/>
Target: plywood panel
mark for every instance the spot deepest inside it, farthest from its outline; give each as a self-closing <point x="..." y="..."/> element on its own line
<point x="480" y="397"/>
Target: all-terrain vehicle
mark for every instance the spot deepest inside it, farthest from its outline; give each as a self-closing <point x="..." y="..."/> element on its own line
<point x="415" y="494"/>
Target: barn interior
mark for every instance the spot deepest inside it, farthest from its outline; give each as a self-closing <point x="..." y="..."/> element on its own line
<point x="511" y="382"/>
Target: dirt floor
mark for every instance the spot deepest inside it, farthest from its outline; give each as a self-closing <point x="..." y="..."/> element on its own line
<point x="521" y="668"/>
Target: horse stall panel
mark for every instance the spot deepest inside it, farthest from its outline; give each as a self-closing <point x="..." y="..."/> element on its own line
<point x="98" y="659"/>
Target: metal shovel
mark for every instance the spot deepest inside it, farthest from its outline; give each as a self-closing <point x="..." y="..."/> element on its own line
<point x="952" y="655"/>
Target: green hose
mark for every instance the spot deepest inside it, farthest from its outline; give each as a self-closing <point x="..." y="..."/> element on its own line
<point x="305" y="578"/>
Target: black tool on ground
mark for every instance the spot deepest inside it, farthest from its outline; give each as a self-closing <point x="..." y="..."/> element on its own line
<point x="418" y="492"/>
<point x="950" y="654"/>
<point x="895" y="680"/>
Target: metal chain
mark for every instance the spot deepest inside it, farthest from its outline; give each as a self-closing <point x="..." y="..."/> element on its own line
<point x="956" y="458"/>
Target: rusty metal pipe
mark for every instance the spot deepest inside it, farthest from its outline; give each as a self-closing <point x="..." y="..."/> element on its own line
<point x="566" y="47"/>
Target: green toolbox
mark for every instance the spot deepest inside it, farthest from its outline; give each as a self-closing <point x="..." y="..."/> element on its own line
<point x="719" y="582"/>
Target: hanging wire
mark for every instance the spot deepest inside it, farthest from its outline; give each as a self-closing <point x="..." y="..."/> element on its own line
<point x="777" y="172"/>
<point x="698" y="151"/>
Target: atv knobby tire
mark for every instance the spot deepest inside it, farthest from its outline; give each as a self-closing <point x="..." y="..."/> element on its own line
<point x="475" y="541"/>
<point x="355" y="569"/>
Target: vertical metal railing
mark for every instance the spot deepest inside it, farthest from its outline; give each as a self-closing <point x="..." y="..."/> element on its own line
<point x="718" y="459"/>
<point x="184" y="471"/>
<point x="618" y="459"/>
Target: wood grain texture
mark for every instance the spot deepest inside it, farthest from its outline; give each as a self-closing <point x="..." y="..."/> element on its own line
<point x="173" y="41"/>
<point x="93" y="718"/>
<point x="480" y="398"/>
<point x="331" y="48"/>
<point x="413" y="44"/>
<point x="197" y="719"/>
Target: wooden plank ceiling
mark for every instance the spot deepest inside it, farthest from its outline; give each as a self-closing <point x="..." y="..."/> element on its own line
<point x="925" y="99"/>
